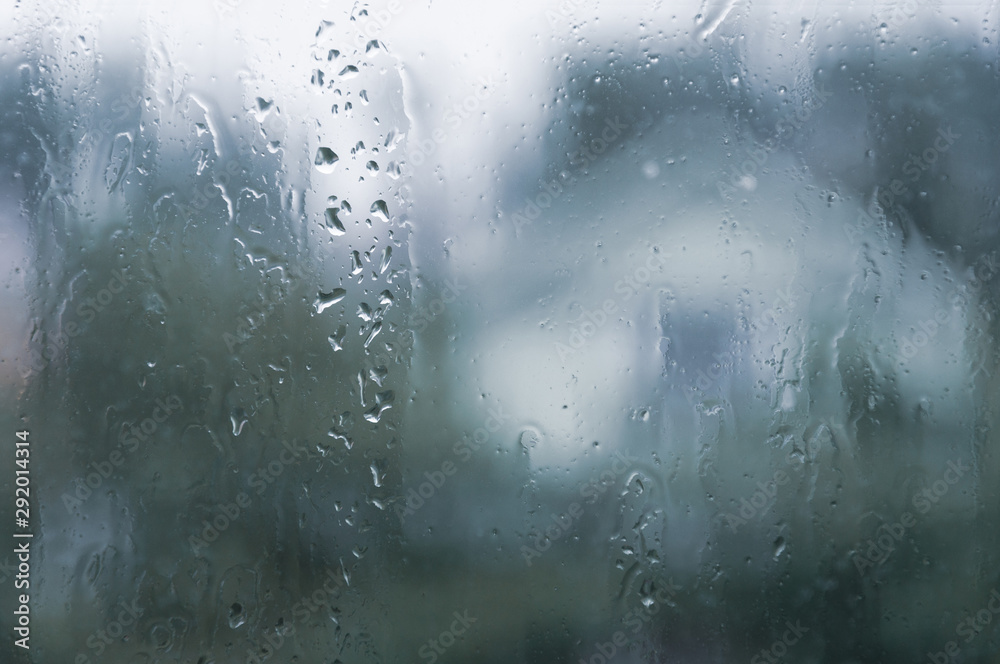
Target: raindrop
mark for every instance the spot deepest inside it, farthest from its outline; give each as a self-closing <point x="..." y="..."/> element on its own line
<point x="262" y="108"/>
<point x="383" y="402"/>
<point x="325" y="160"/>
<point x="636" y="480"/>
<point x="337" y="338"/>
<point x="378" y="374"/>
<point x="237" y="616"/>
<point x="239" y="419"/>
<point x="120" y="160"/>
<point x="530" y="439"/>
<point x="350" y="71"/>
<point x="333" y="223"/>
<point x="327" y="300"/>
<point x="376" y="328"/>
<point x="364" y="312"/>
<point x="380" y="210"/>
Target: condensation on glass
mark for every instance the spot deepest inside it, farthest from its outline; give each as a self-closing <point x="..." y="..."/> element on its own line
<point x="560" y="332"/>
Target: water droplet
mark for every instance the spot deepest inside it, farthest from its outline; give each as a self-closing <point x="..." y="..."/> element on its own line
<point x="337" y="435"/>
<point x="364" y="312"/>
<point x="380" y="210"/>
<point x="530" y="438"/>
<point x="378" y="374"/>
<point x="121" y="158"/>
<point x="239" y="419"/>
<point x="237" y="616"/>
<point x="327" y="300"/>
<point x="333" y="223"/>
<point x="325" y="161"/>
<point x="383" y="402"/>
<point x="337" y="338"/>
<point x="261" y="108"/>
<point x="376" y="328"/>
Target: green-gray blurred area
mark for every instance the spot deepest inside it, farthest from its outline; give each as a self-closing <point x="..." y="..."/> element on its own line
<point x="528" y="333"/>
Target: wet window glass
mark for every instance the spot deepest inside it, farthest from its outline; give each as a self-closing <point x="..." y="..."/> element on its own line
<point x="446" y="332"/>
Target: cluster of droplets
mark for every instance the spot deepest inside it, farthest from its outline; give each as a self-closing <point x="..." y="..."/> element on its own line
<point x="351" y="157"/>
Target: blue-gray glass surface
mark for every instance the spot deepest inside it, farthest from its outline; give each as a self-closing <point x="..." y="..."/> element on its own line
<point x="522" y="332"/>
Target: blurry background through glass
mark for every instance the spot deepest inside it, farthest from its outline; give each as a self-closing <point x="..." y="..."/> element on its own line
<point x="502" y="332"/>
